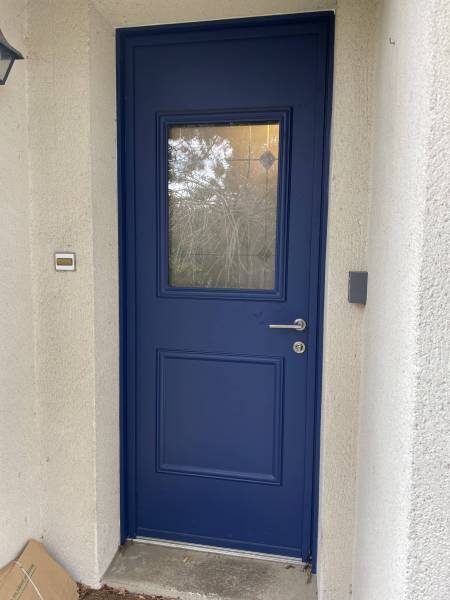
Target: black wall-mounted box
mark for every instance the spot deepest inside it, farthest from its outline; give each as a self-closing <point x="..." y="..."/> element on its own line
<point x="357" y="287"/>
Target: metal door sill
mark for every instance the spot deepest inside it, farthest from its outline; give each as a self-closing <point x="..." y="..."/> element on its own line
<point x="217" y="550"/>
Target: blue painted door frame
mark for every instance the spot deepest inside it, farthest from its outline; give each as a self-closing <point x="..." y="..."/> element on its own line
<point x="128" y="40"/>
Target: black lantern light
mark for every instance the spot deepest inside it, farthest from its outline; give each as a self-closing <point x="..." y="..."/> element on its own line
<point x="8" y="55"/>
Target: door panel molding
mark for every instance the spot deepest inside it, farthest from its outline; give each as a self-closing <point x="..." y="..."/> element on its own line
<point x="269" y="373"/>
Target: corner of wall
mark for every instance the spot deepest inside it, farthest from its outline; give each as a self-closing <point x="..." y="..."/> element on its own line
<point x="106" y="293"/>
<point x="403" y="478"/>
<point x="346" y="250"/>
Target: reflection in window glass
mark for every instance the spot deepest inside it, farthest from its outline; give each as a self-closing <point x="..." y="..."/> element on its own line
<point x="223" y="183"/>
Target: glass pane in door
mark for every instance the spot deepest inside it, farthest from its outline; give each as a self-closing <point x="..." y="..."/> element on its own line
<point x="222" y="188"/>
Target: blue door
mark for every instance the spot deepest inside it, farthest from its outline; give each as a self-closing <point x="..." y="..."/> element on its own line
<point x="223" y="130"/>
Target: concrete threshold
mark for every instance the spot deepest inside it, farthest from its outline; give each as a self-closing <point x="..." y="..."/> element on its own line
<point x="190" y="574"/>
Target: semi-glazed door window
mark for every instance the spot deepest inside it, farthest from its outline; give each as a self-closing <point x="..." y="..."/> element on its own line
<point x="223" y="205"/>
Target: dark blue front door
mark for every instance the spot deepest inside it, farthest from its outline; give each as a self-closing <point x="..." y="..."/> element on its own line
<point x="224" y="136"/>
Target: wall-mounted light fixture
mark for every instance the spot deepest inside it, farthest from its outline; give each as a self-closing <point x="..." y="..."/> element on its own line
<point x="8" y="55"/>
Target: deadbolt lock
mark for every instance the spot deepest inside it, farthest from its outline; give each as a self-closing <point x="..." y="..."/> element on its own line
<point x="299" y="347"/>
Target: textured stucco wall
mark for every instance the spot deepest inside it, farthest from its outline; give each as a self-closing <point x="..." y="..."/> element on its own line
<point x="346" y="251"/>
<point x="428" y="560"/>
<point x="105" y="264"/>
<point x="349" y="196"/>
<point x="61" y="187"/>
<point x="141" y="12"/>
<point x="72" y="133"/>
<point x="393" y="264"/>
<point x="59" y="438"/>
<point x="19" y="425"/>
<point x="402" y="549"/>
<point x="73" y="187"/>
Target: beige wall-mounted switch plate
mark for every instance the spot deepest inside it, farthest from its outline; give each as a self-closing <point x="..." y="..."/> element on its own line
<point x="65" y="261"/>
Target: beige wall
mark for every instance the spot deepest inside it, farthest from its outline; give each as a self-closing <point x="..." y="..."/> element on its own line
<point x="72" y="157"/>
<point x="105" y="263"/>
<point x="346" y="251"/>
<point x="403" y="521"/>
<point x="394" y="262"/>
<point x="59" y="353"/>
<point x="69" y="426"/>
<point x="61" y="191"/>
<point x="81" y="90"/>
<point x="73" y="188"/>
<point x="19" y="419"/>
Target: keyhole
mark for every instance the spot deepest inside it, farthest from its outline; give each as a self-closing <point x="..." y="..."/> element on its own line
<point x="299" y="347"/>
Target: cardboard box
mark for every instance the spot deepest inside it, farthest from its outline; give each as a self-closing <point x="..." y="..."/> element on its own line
<point x="36" y="576"/>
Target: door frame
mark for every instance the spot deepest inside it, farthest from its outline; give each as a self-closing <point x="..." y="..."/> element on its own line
<point x="124" y="45"/>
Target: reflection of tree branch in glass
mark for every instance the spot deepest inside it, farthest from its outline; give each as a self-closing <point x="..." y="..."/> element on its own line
<point x="223" y="183"/>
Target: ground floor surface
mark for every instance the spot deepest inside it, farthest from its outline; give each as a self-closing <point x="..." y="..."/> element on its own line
<point x="177" y="573"/>
<point x="109" y="593"/>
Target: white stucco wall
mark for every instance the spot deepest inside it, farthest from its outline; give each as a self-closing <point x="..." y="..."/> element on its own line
<point x="134" y="13"/>
<point x="349" y="202"/>
<point x="72" y="147"/>
<point x="428" y="561"/>
<point x="72" y="154"/>
<point x="346" y="251"/>
<point x="61" y="189"/>
<point x="19" y="424"/>
<point x="105" y="264"/>
<point x="402" y="549"/>
<point x="59" y="370"/>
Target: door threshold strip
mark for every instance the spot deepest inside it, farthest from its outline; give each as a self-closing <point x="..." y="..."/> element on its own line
<point x="218" y="550"/>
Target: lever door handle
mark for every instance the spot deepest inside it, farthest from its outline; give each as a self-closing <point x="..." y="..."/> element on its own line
<point x="297" y="325"/>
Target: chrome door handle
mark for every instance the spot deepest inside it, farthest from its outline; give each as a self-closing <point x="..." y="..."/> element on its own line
<point x="298" y="325"/>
